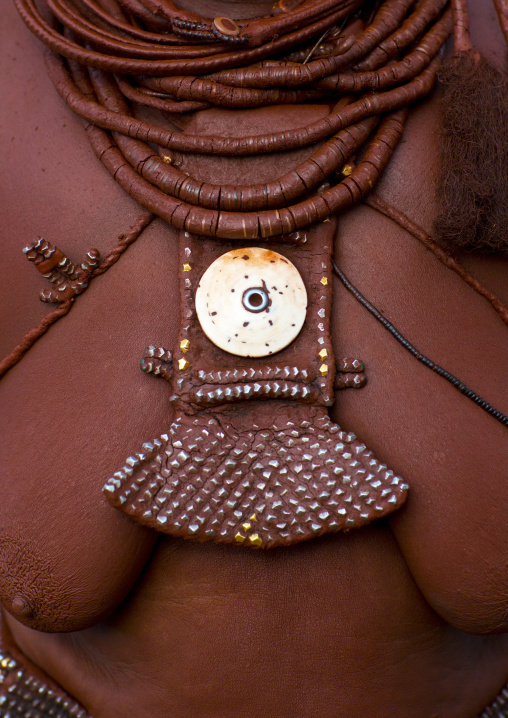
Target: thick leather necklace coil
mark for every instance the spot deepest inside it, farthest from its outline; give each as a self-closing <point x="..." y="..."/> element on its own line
<point x="251" y="456"/>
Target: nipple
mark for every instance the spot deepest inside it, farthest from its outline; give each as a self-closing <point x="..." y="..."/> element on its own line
<point x="20" y="607"/>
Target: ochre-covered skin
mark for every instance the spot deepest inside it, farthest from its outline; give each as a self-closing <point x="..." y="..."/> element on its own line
<point x="381" y="621"/>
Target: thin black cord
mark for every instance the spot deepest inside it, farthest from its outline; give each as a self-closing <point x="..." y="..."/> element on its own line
<point x="418" y="355"/>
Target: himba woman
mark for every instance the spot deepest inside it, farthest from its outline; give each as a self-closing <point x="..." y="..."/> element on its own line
<point x="254" y="558"/>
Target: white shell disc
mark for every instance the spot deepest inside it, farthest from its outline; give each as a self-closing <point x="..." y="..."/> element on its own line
<point x="251" y="302"/>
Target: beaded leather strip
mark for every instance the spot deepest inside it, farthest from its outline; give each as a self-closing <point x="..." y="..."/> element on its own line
<point x="24" y="693"/>
<point x="499" y="706"/>
<point x="253" y="32"/>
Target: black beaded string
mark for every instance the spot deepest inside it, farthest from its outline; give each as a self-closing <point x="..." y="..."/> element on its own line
<point x="502" y="418"/>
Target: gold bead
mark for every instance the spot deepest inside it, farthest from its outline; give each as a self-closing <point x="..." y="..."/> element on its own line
<point x="239" y="538"/>
<point x="255" y="540"/>
<point x="5" y="662"/>
<point x="184" y="345"/>
<point x="187" y="267"/>
<point x="183" y="364"/>
<point x="167" y="159"/>
<point x="347" y="170"/>
<point x="226" y="26"/>
<point x="324" y="281"/>
<point x="323" y="354"/>
<point x="253" y="518"/>
<point x="323" y="369"/>
<point x="246" y="526"/>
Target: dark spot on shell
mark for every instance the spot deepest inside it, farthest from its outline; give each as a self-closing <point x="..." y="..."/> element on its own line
<point x="214" y="313"/>
<point x="284" y="260"/>
<point x="232" y="290"/>
<point x="246" y="324"/>
<point x="245" y="256"/>
<point x="246" y="276"/>
<point x="270" y="322"/>
<point x="272" y="261"/>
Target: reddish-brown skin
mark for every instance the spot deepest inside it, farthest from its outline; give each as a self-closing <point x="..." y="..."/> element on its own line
<point x="377" y="622"/>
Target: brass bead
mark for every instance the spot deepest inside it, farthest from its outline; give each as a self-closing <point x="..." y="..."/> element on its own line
<point x="187" y="267"/>
<point x="324" y="281"/>
<point x="239" y="538"/>
<point x="184" y="345"/>
<point x="183" y="364"/>
<point x="323" y="369"/>
<point x="323" y="354"/>
<point x="255" y="540"/>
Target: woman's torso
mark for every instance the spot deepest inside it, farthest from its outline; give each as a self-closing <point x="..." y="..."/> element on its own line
<point x="378" y="621"/>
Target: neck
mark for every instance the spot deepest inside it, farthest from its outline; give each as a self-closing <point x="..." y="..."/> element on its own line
<point x="235" y="9"/>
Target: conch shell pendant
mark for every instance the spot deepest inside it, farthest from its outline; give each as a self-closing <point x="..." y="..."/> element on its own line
<point x="252" y="457"/>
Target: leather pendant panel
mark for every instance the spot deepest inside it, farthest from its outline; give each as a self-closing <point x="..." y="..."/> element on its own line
<point x="252" y="457"/>
<point x="281" y="481"/>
